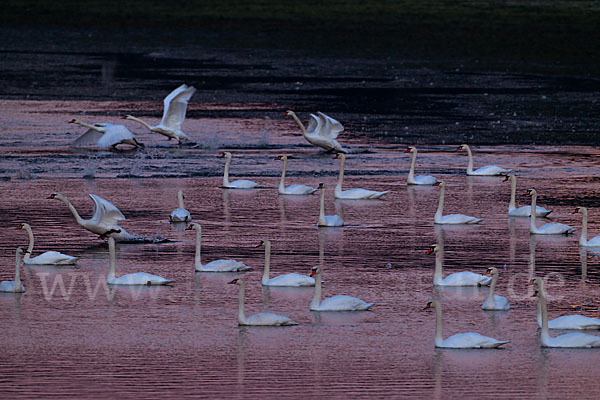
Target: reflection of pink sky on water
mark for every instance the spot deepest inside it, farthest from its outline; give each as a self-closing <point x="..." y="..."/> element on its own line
<point x="71" y="335"/>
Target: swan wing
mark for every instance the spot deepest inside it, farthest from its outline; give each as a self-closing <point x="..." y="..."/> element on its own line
<point x="53" y="258"/>
<point x="472" y="340"/>
<point x="574" y="322"/>
<point x="175" y="105"/>
<point x="89" y="138"/>
<point x="314" y="124"/>
<point x="114" y="134"/>
<point x="334" y="220"/>
<point x="360" y="193"/>
<point x="466" y="278"/>
<point x="299" y="189"/>
<point x="269" y="319"/>
<point x="555" y="228"/>
<point x="242" y="184"/>
<point x="500" y="304"/>
<point x="342" y="302"/>
<point x="458" y="219"/>
<point x="291" y="279"/>
<point x="331" y="127"/>
<point x="105" y="213"/>
<point x="574" y="339"/>
<point x="424" y="180"/>
<point x="180" y="215"/>
<point x="9" y="286"/>
<point x="139" y="278"/>
<point x="225" y="266"/>
<point x="491" y="170"/>
<point x="595" y="242"/>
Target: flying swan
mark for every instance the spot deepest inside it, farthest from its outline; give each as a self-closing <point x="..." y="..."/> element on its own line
<point x="322" y="130"/>
<point x="47" y="258"/>
<point x="104" y="135"/>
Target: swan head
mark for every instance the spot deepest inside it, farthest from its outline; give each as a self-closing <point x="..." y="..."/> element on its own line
<point x="508" y="177"/>
<point x="410" y="149"/>
<point x="111" y="231"/>
<point x="264" y="243"/>
<point x="462" y="147"/>
<point x="491" y="271"/>
<point x="236" y="281"/>
<point x="341" y="156"/>
<point x="314" y="271"/>
<point x="55" y="196"/>
<point x="281" y="158"/>
<point x="431" y="304"/>
<point x="288" y="113"/>
<point x="73" y="121"/>
<point x="580" y="210"/>
<point x="531" y="192"/>
<point x="224" y="154"/>
<point x="19" y="251"/>
<point x="432" y="249"/>
<point x="536" y="281"/>
<point x="439" y="183"/>
<point x="193" y="226"/>
<point x="321" y="185"/>
<point x="21" y="226"/>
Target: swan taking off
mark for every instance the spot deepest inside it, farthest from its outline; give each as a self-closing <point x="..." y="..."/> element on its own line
<point x="322" y="130"/>
<point x="583" y="240"/>
<point x="240" y="183"/>
<point x="104" y="135"/>
<point x="175" y="105"/>
<point x="523" y="211"/>
<point x="47" y="258"/>
<point x="138" y="278"/>
<point x="552" y="228"/>
<point x="438" y="218"/>
<point x="464" y="278"/>
<point x="494" y="302"/>
<point x="327" y="220"/>
<point x="261" y="319"/>
<point x="340" y="302"/>
<point x="216" y="265"/>
<point x="420" y="179"/>
<point x="180" y="214"/>
<point x="488" y="170"/>
<point x="291" y="279"/>
<point x="14" y="286"/>
<point x="469" y="340"/>
<point x="295" y="189"/>
<point x="353" y="194"/>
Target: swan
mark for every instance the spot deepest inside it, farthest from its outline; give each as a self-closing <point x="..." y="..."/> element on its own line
<point x="14" y="286"/>
<point x="104" y="135"/>
<point x="551" y="228"/>
<point x="216" y="265"/>
<point x="463" y="278"/>
<point x="421" y="179"/>
<point x="353" y="194"/>
<point x="175" y="105"/>
<point x="180" y="214"/>
<point x="523" y="211"/>
<point x="488" y="170"/>
<point x="261" y="319"/>
<point x="322" y="130"/>
<point x="340" y="302"/>
<point x="572" y="321"/>
<point x="469" y="340"/>
<point x="47" y="258"/>
<point x="573" y="339"/>
<point x="240" y="183"/>
<point x="584" y="225"/>
<point x="494" y="302"/>
<point x="292" y="279"/>
<point x="327" y="220"/>
<point x="292" y="189"/>
<point x="450" y="218"/>
<point x="137" y="278"/>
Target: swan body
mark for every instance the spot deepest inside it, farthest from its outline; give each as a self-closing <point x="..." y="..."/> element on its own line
<point x="261" y="319"/>
<point x="47" y="258"/>
<point x="216" y="265"/>
<point x="552" y="228"/>
<point x="240" y="183"/>
<point x="14" y="286"/>
<point x="137" y="278"/>
<point x="469" y="340"/>
<point x="175" y="105"/>
<point x="335" y="303"/>
<point x="420" y="179"/>
<point x="583" y="240"/>
<point x="488" y="170"/>
<point x="295" y="189"/>
<point x="292" y="279"/>
<point x="494" y="302"/>
<point x="353" y="194"/>
<point x="463" y="278"/>
<point x="180" y="214"/>
<point x="523" y="211"/>
<point x="104" y="135"/>
<point x="451" y="219"/>
<point x="327" y="220"/>
<point x="322" y="131"/>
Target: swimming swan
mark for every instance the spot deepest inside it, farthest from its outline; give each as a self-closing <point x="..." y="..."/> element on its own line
<point x="137" y="278"/>
<point x="488" y="170"/>
<point x="584" y="226"/>
<point x="552" y="228"/>
<point x="104" y="135"/>
<point x="463" y="278"/>
<point x="353" y="194"/>
<point x="292" y="189"/>
<point x="322" y="130"/>
<point x="14" y="286"/>
<point x="291" y="279"/>
<point x="494" y="302"/>
<point x="261" y="319"/>
<point x="523" y="211"/>
<point x="216" y="265"/>
<point x="420" y="179"/>
<point x="438" y="218"/>
<point x="327" y="220"/>
<point x="180" y="214"/>
<point x="175" y="105"/>
<point x="239" y="184"/>
<point x="47" y="258"/>
<point x="340" y="302"/>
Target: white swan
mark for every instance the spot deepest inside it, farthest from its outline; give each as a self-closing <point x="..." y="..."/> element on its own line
<point x="340" y="302"/>
<point x="583" y="240"/>
<point x="261" y="319"/>
<point x="353" y="194"/>
<point x="240" y="183"/>
<point x="420" y="179"/>
<point x="104" y="135"/>
<point x="552" y="228"/>
<point x="494" y="302"/>
<point x="523" y="211"/>
<point x="292" y="189"/>
<point x="216" y="265"/>
<point x="291" y="279"/>
<point x="322" y="130"/>
<point x="327" y="220"/>
<point x="175" y="105"/>
<point x="463" y="278"/>
<point x="104" y="220"/>
<point x="572" y="321"/>
<point x="14" y="286"/>
<point x="488" y="170"/>
<point x="180" y="214"/>
<point x="137" y="278"/>
<point x="573" y="339"/>
<point x="47" y="258"/>
<point x="438" y="218"/>
<point x="469" y="340"/>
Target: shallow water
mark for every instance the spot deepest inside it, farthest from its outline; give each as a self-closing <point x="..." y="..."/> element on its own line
<point x="71" y="335"/>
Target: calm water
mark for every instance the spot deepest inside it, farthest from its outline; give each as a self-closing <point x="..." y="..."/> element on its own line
<point x="70" y="335"/>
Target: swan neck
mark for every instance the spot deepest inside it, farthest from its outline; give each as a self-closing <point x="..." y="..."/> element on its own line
<point x="226" y="173"/>
<point x="180" y="199"/>
<point x="532" y="227"/>
<point x="322" y="208"/>
<point x="513" y="191"/>
<point x="584" y="228"/>
<point x="316" y="300"/>
<point x="111" y="251"/>
<point x="265" y="277"/>
<point x="470" y="165"/>
<point x="440" y="209"/>
<point x="299" y="123"/>
<point x="73" y="210"/>
<point x="282" y="181"/>
<point x="197" y="260"/>
<point x="544" y="310"/>
<point x="97" y="129"/>
<point x="437" y="274"/>
<point x="490" y="298"/>
<point x="411" y="172"/>
<point x="17" y="271"/>
<point x="30" y="247"/>
<point x="438" y="325"/>
<point x="338" y="187"/>
<point x="241" y="301"/>
<point x="147" y="125"/>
